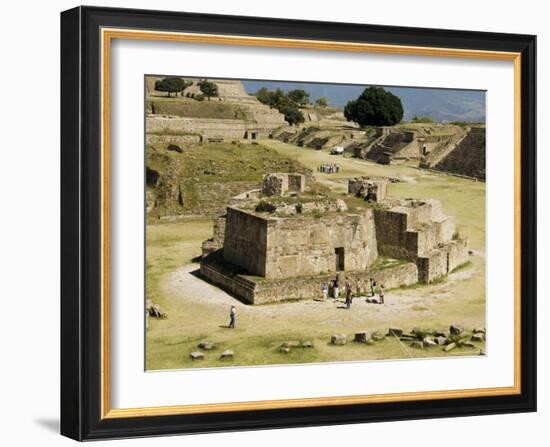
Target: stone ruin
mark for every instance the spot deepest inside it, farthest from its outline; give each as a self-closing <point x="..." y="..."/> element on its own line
<point x="370" y="189"/>
<point x="280" y="184"/>
<point x="264" y="256"/>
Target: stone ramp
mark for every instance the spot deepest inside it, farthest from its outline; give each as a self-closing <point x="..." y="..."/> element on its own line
<point x="443" y="148"/>
<point x="468" y="158"/>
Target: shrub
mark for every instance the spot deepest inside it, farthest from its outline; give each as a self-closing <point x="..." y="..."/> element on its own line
<point x="322" y="101"/>
<point x="264" y="206"/>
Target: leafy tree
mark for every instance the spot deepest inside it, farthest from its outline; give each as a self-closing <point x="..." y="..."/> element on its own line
<point x="278" y="100"/>
<point x="300" y="97"/>
<point x="264" y="95"/>
<point x="171" y="85"/>
<point x="208" y="88"/>
<point x="293" y="115"/>
<point x="375" y="107"/>
<point x="322" y="101"/>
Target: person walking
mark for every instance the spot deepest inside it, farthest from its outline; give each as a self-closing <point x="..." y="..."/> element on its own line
<point x="324" y="290"/>
<point x="372" y="287"/>
<point x="232" y="317"/>
<point x="336" y="289"/>
<point x="348" y="293"/>
<point x="381" y="294"/>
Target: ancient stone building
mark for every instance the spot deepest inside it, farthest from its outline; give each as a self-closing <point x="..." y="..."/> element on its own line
<point x="274" y="247"/>
<point x="270" y="254"/>
<point x="372" y="190"/>
<point x="279" y="184"/>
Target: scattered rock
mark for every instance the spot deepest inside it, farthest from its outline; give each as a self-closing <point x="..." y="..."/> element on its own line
<point x="370" y="342"/>
<point x="479" y="330"/>
<point x="227" y="354"/>
<point x="206" y="345"/>
<point x="478" y="336"/>
<point x="307" y="344"/>
<point x="456" y="329"/>
<point x="378" y="336"/>
<point x="154" y="310"/>
<point x="361" y="337"/>
<point x="196" y="355"/>
<point x="417" y="344"/>
<point x="468" y="344"/>
<point x="175" y="148"/>
<point x="442" y="333"/>
<point x="449" y="347"/>
<point x="284" y="349"/>
<point x="429" y="341"/>
<point x="291" y="344"/>
<point x="339" y="339"/>
<point x="395" y="331"/>
<point x="442" y="340"/>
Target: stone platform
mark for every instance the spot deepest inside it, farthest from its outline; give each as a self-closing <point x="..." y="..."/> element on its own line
<point x="257" y="290"/>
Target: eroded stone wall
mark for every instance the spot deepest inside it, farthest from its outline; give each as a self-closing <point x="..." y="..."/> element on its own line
<point x="262" y="292"/>
<point x="245" y="241"/>
<point x="307" y="246"/>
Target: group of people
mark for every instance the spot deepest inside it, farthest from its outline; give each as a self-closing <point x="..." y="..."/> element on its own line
<point x="329" y="168"/>
<point x="348" y="291"/>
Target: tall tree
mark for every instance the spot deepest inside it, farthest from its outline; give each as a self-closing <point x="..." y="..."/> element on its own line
<point x="375" y="107"/>
<point x="300" y="97"/>
<point x="171" y="85"/>
<point x="208" y="89"/>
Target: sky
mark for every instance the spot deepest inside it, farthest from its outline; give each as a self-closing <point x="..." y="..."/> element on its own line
<point x="439" y="104"/>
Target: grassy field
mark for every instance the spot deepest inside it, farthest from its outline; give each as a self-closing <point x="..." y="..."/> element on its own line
<point x="198" y="311"/>
<point x="214" y="163"/>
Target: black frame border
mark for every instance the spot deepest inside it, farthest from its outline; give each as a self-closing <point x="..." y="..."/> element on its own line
<point x="81" y="223"/>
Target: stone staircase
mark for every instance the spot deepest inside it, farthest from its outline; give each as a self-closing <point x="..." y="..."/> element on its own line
<point x="468" y="158"/>
<point x="443" y="149"/>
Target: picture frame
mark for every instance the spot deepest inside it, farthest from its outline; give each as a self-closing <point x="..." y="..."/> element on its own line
<point x="87" y="34"/>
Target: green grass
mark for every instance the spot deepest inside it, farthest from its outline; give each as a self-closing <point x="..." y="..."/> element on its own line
<point x="215" y="163"/>
<point x="169" y="246"/>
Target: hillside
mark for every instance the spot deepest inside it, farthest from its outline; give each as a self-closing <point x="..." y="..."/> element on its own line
<point x="201" y="179"/>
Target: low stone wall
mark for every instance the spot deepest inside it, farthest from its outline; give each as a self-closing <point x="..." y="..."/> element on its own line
<point x="172" y="139"/>
<point x="205" y="126"/>
<point x="269" y="291"/>
<point x="310" y="287"/>
<point x="442" y="261"/>
<point x="232" y="284"/>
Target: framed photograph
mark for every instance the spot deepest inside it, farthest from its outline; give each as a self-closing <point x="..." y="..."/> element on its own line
<point x="274" y="223"/>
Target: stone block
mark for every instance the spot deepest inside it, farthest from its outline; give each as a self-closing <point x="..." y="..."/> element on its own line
<point x="361" y="337"/>
<point x="339" y="339"/>
<point x="196" y="355"/>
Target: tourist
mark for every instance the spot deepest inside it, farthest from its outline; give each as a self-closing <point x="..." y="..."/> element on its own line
<point x="348" y="293"/>
<point x="381" y="294"/>
<point x="324" y="290"/>
<point x="336" y="288"/>
<point x="372" y="287"/>
<point x="232" y="317"/>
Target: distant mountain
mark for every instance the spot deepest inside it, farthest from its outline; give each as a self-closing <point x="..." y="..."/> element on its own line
<point x="439" y="104"/>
